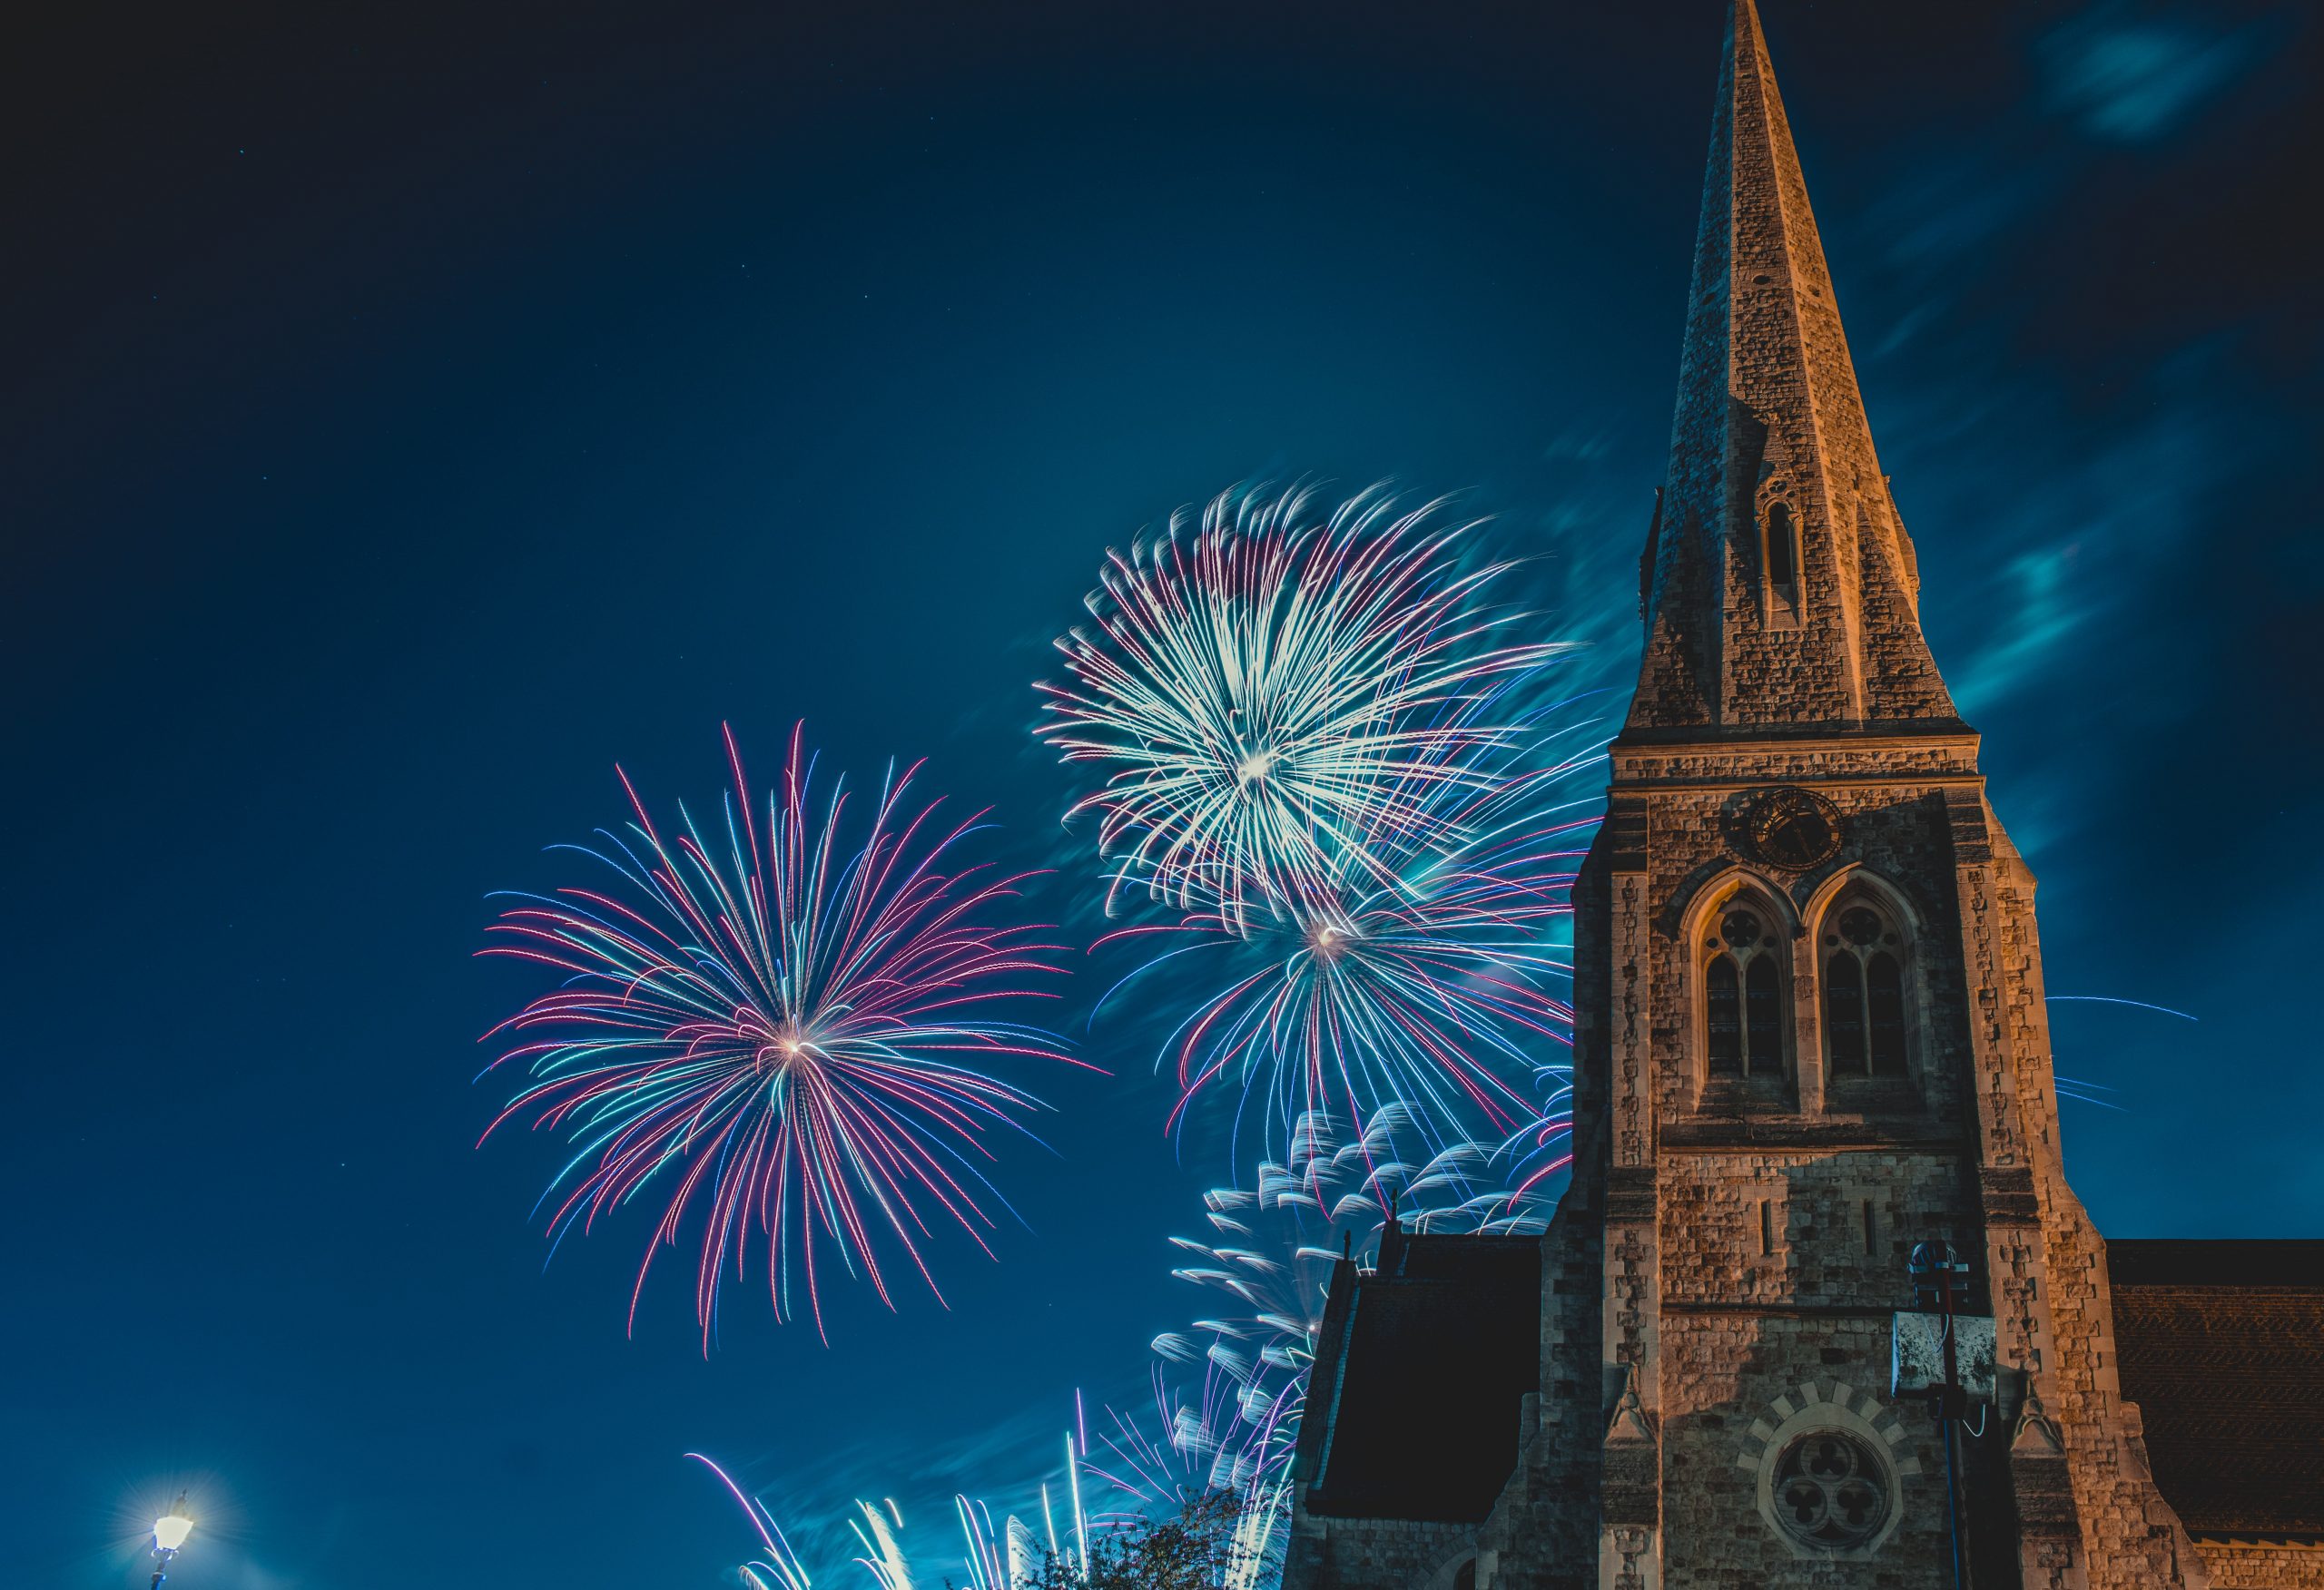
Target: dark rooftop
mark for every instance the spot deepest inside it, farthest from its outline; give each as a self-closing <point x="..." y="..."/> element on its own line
<point x="1422" y="1364"/>
<point x="2221" y="1346"/>
<point x="1422" y="1367"/>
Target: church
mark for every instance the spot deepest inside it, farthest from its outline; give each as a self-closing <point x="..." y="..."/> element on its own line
<point x="1810" y="1051"/>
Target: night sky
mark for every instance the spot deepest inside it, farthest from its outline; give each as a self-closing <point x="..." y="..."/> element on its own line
<point x="408" y="420"/>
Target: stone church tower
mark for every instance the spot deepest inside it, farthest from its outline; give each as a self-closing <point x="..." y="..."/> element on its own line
<point x="1811" y="1033"/>
<point x="1811" y="1020"/>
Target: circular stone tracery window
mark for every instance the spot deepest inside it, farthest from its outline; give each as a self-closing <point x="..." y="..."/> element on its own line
<point x="1831" y="1493"/>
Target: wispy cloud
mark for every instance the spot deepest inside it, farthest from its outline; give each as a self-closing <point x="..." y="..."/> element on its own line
<point x="2131" y="79"/>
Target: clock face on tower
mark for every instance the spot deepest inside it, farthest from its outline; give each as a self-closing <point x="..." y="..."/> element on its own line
<point x="1789" y="828"/>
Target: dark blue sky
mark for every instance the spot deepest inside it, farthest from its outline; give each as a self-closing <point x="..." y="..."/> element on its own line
<point x="407" y="419"/>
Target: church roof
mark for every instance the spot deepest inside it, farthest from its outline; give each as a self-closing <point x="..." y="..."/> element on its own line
<point x="1423" y="1362"/>
<point x="2221" y="1346"/>
<point x="1422" y="1369"/>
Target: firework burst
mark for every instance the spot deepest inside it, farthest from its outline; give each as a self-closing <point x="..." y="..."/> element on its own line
<point x="1414" y="978"/>
<point x="1271" y="682"/>
<point x="774" y="1025"/>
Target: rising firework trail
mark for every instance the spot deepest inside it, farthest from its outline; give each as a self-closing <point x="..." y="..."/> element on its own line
<point x="882" y="1558"/>
<point x="1267" y="685"/>
<point x="781" y="1569"/>
<point x="778" y="1029"/>
<point x="986" y="1550"/>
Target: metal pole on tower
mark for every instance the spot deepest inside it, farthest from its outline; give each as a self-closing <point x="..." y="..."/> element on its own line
<point x="1937" y="1277"/>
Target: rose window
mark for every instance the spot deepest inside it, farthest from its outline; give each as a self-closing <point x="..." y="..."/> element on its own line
<point x="1830" y="1491"/>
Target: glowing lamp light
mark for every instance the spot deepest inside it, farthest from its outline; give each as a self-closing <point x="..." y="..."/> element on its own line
<point x="171" y="1529"/>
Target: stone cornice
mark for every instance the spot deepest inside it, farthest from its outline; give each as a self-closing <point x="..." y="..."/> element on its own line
<point x="1725" y="762"/>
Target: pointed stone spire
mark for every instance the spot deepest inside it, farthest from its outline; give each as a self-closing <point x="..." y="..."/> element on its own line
<point x="1781" y="591"/>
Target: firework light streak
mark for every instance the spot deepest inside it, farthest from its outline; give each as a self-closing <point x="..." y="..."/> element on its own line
<point x="781" y="1569"/>
<point x="1080" y="1520"/>
<point x="1192" y="1450"/>
<point x="1157" y="1464"/>
<point x="2070" y="1088"/>
<point x="1271" y="1254"/>
<point x="1024" y="1558"/>
<point x="883" y="1557"/>
<point x="1427" y="981"/>
<point x="987" y="1558"/>
<point x="776" y="1026"/>
<point x="1268" y="683"/>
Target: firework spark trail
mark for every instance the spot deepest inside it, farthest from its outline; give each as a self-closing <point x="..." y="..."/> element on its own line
<point x="766" y="1021"/>
<point x="1186" y="1448"/>
<point x="1438" y="990"/>
<point x="1270" y="1256"/>
<point x="1155" y="1461"/>
<point x="883" y="1557"/>
<point x="986" y="1554"/>
<point x="1271" y="682"/>
<point x="781" y="1569"/>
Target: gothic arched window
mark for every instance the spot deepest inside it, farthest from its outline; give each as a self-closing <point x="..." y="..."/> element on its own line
<point x="1783" y="550"/>
<point x="1864" y="992"/>
<point x="1743" y="998"/>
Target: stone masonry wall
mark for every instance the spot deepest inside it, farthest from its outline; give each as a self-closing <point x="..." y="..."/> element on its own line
<point x="1389" y="1553"/>
<point x="2052" y="1297"/>
<point x="1786" y="1216"/>
<point x="1780" y="1217"/>
<point x="1729" y="1380"/>
<point x="1789" y="1230"/>
<point x="2236" y="1565"/>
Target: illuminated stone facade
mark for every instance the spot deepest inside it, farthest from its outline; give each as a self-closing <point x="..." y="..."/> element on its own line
<point x="1811" y="1033"/>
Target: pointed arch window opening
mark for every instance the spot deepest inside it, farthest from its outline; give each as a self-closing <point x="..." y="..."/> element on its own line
<point x="1864" y="992"/>
<point x="1743" y="994"/>
<point x="1779" y="550"/>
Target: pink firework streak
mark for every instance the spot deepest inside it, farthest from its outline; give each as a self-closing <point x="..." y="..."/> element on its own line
<point x="766" y="1027"/>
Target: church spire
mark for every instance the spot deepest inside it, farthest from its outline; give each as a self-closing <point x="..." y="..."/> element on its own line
<point x="1779" y="586"/>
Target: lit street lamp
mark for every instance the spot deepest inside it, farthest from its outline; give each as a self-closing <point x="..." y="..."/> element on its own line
<point x="170" y="1531"/>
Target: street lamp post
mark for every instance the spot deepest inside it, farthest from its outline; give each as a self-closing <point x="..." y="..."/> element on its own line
<point x="170" y="1531"/>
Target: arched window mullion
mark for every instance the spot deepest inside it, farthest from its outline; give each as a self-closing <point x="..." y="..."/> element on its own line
<point x="1723" y="1008"/>
<point x="1883" y="998"/>
<point x="1844" y="1013"/>
<point x="1763" y="1016"/>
